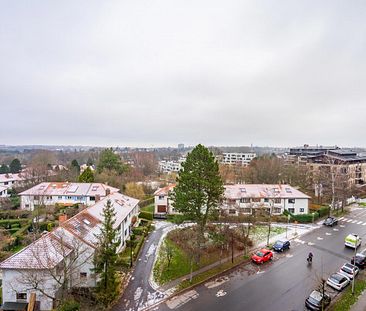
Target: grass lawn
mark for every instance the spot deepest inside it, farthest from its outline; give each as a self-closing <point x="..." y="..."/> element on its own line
<point x="259" y="233"/>
<point x="149" y="208"/>
<point x="180" y="263"/>
<point x="362" y="204"/>
<point x="347" y="299"/>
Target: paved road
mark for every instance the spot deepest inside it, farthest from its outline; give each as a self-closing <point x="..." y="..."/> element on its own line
<point x="282" y="284"/>
<point x="139" y="292"/>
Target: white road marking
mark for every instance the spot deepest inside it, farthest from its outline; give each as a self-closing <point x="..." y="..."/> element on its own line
<point x="364" y="224"/>
<point x="311" y="243"/>
<point x="360" y="222"/>
<point x="353" y="222"/>
<point x="349" y="220"/>
<point x="327" y="233"/>
<point x="335" y="229"/>
<point x="138" y="293"/>
<point x="180" y="300"/>
<point x="260" y="272"/>
<point x="220" y="293"/>
<point x="289" y="256"/>
<point x="217" y="282"/>
<point x="299" y="241"/>
<point x="341" y="218"/>
<point x="319" y="238"/>
<point x="342" y="226"/>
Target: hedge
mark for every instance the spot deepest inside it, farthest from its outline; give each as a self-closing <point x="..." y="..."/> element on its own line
<point x="304" y="218"/>
<point x="7" y="223"/>
<point x="146" y="215"/>
<point x="138" y="230"/>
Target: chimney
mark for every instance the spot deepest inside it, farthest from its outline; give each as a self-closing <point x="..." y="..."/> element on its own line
<point x="97" y="198"/>
<point x="107" y="191"/>
<point x="62" y="218"/>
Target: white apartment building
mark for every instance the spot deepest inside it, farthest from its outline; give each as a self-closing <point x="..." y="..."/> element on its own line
<point x="247" y="199"/>
<point x="67" y="250"/>
<point x="232" y="158"/>
<point x="64" y="193"/>
<point x="171" y="166"/>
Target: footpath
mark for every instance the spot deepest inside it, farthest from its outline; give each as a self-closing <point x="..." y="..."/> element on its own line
<point x="293" y="233"/>
<point x="360" y="304"/>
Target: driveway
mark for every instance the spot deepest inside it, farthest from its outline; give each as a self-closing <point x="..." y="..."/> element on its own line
<point x="139" y="293"/>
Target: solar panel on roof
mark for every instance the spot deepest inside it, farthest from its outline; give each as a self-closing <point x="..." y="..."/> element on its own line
<point x="73" y="188"/>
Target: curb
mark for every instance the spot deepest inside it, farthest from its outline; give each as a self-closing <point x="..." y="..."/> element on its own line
<point x="218" y="274"/>
<point x="196" y="284"/>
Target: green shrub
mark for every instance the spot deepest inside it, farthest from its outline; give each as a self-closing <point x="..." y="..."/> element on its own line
<point x="70" y="305"/>
<point x="177" y="218"/>
<point x="146" y="215"/>
<point x="138" y="230"/>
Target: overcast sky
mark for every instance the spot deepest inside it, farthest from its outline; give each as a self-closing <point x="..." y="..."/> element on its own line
<point x="163" y="72"/>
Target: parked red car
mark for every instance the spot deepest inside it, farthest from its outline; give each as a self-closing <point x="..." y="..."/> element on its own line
<point x="262" y="256"/>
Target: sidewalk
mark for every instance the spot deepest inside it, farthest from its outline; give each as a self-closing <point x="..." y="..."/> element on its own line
<point x="360" y="304"/>
<point x="294" y="232"/>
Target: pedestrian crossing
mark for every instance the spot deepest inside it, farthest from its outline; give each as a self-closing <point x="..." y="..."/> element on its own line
<point x="352" y="221"/>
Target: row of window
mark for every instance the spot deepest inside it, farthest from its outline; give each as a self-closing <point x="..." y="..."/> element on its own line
<point x="275" y="210"/>
<point x="255" y="200"/>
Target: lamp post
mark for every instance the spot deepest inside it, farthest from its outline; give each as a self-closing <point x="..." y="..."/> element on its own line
<point x="288" y="220"/>
<point x="269" y="221"/>
<point x="131" y="253"/>
<point x="354" y="267"/>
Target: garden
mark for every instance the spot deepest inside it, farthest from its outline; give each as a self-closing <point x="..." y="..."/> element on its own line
<point x="179" y="254"/>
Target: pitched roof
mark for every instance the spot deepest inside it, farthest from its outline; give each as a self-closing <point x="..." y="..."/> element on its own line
<point x="263" y="191"/>
<point x="11" y="177"/>
<point x="51" y="248"/>
<point x="165" y="190"/>
<point x="71" y="189"/>
<point x="34" y="255"/>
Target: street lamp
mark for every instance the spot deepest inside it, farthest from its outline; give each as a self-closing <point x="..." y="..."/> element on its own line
<point x="354" y="266"/>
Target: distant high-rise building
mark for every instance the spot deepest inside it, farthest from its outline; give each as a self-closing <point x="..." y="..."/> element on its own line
<point x="180" y="146"/>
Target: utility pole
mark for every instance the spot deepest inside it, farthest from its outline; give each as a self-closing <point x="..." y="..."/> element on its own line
<point x="232" y="247"/>
<point x="354" y="267"/>
<point x="269" y="221"/>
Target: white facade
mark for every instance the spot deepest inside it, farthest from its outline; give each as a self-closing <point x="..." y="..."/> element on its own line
<point x="246" y="199"/>
<point x="64" y="193"/>
<point x="10" y="180"/>
<point x="34" y="269"/>
<point x="171" y="166"/>
<point x="162" y="202"/>
<point x="232" y="158"/>
<point x="3" y="191"/>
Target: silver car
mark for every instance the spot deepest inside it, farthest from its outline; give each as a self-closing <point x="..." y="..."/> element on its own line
<point x="338" y="281"/>
<point x="347" y="270"/>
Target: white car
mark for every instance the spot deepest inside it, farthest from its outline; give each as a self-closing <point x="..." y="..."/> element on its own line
<point x="347" y="270"/>
<point x="338" y="281"/>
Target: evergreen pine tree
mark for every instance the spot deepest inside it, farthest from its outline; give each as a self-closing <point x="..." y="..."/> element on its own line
<point x="106" y="258"/>
<point x="86" y="176"/>
<point x="199" y="188"/>
<point x="15" y="166"/>
<point x="4" y="169"/>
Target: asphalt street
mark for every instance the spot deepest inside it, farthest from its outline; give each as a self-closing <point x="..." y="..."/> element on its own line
<point x="139" y="292"/>
<point x="282" y="284"/>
